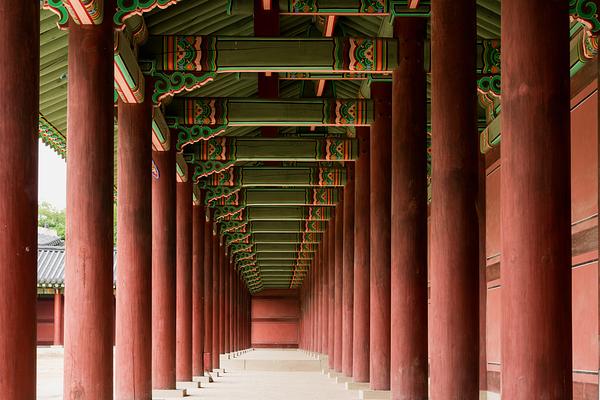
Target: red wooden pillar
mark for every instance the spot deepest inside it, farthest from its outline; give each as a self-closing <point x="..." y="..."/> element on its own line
<point x="89" y="301"/>
<point x="535" y="193"/>
<point x="19" y="107"/>
<point x="325" y="295"/>
<point x="164" y="259"/>
<point x="216" y="335"/>
<point x="208" y="292"/>
<point x="58" y="318"/>
<point x="222" y="299"/>
<point x="184" y="281"/>
<point x="198" y="312"/>
<point x="231" y="313"/>
<point x="348" y="265"/>
<point x="339" y="283"/>
<point x="331" y="292"/>
<point x="381" y="171"/>
<point x="454" y="228"/>
<point x="409" y="215"/>
<point x="362" y="245"/>
<point x="226" y="293"/>
<point x="133" y="355"/>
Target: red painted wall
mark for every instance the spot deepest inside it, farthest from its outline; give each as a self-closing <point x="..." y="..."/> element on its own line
<point x="584" y="192"/>
<point x="275" y="318"/>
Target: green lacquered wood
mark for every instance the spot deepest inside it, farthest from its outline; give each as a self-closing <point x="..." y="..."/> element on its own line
<point x="276" y="54"/>
<point x="279" y="247"/>
<point x="282" y="256"/>
<point x="284" y="226"/>
<point x="259" y="238"/>
<point x="286" y="213"/>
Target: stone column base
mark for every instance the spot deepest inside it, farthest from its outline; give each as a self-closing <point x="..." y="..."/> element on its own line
<point x="168" y="394"/>
<point x="374" y="394"/>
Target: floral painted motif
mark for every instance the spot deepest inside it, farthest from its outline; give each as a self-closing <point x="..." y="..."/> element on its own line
<point x="303" y="6"/>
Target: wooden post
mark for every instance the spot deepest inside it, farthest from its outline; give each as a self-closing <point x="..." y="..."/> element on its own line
<point x="362" y="257"/>
<point x="89" y="300"/>
<point x="348" y="266"/>
<point x="454" y="334"/>
<point x="58" y="318"/>
<point x="536" y="202"/>
<point x="339" y="284"/>
<point x="133" y="355"/>
<point x="19" y="116"/>
<point x="184" y="281"/>
<point x="198" y="313"/>
<point x="381" y="171"/>
<point x="164" y="259"/>
<point x="208" y="292"/>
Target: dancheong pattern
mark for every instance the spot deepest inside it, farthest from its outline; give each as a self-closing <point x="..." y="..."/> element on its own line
<point x="217" y="149"/>
<point x="334" y="149"/>
<point x="189" y="53"/>
<point x="490" y="57"/>
<point x="323" y="196"/>
<point x="360" y="54"/>
<point x="373" y="6"/>
<point x="345" y="112"/>
<point x="205" y="112"/>
<point x="303" y="6"/>
<point x="586" y="12"/>
<point x="329" y="177"/>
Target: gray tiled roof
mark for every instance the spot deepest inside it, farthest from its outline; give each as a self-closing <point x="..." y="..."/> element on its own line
<point x="51" y="266"/>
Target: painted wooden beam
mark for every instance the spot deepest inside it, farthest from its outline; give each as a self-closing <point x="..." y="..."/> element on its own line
<point x="273" y="238"/>
<point x="279" y="213"/>
<point x="129" y="79"/>
<point x="226" y="149"/>
<point x="272" y="197"/>
<point x="237" y="177"/>
<point x="201" y="54"/>
<point x="219" y="112"/>
<point x="363" y="8"/>
<point x="273" y="226"/>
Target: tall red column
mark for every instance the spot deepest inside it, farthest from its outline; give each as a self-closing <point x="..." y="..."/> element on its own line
<point x="58" y="318"/>
<point x="208" y="292"/>
<point x="331" y="293"/>
<point x="325" y="293"/>
<point x="216" y="305"/>
<point x="381" y="171"/>
<point x="454" y="256"/>
<point x="231" y="313"/>
<point x="184" y="216"/>
<point x="198" y="312"/>
<point x="362" y="259"/>
<point x="225" y="303"/>
<point x="89" y="301"/>
<point x="339" y="283"/>
<point x="535" y="193"/>
<point x="19" y="107"/>
<point x="164" y="259"/>
<point x="133" y="355"/>
<point x="409" y="361"/>
<point x="348" y="266"/>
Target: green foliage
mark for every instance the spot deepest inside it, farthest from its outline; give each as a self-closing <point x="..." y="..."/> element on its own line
<point x="50" y="217"/>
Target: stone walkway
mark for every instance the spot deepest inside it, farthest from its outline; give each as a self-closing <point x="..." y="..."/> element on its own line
<point x="238" y="385"/>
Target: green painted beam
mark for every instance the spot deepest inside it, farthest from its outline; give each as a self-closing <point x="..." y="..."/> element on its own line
<point x="270" y="112"/>
<point x="273" y="238"/>
<point x="270" y="176"/>
<point x="280" y="226"/>
<point x="273" y="197"/>
<point x="201" y="54"/>
<point x="280" y="213"/>
<point x="226" y="149"/>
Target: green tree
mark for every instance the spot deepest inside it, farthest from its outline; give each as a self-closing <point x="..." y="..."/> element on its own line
<point x="50" y="217"/>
